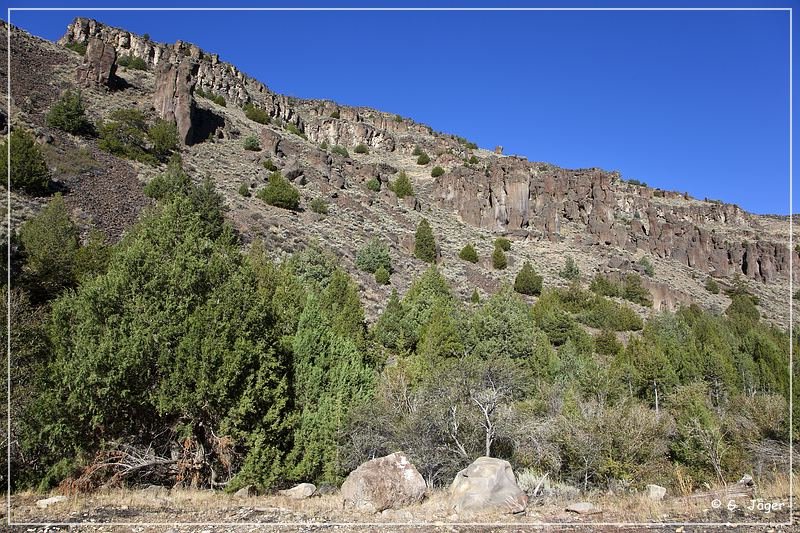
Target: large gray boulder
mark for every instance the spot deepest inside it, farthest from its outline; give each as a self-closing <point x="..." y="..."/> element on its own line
<point x="487" y="485"/>
<point x="99" y="64"/>
<point x="389" y="482"/>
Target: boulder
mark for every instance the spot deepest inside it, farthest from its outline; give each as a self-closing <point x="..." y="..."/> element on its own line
<point x="583" y="508"/>
<point x="99" y="64"/>
<point x="656" y="492"/>
<point x="487" y="485"/>
<point x="47" y="502"/>
<point x="248" y="491"/>
<point x="299" y="492"/>
<point x="389" y="482"/>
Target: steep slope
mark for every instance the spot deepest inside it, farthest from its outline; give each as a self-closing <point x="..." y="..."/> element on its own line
<point x="549" y="213"/>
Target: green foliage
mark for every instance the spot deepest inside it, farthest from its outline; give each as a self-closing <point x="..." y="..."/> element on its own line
<point x="68" y="114"/>
<point x="269" y="165"/>
<point x="361" y="149"/>
<point x="528" y="281"/>
<point x="256" y="114"/>
<point x="216" y="98"/>
<point x="78" y="48"/>
<point x="164" y="137"/>
<point x="279" y="192"/>
<point x="319" y="206"/>
<point x="499" y="261"/>
<point x="398" y="118"/>
<point x="28" y="168"/>
<point x="473" y="160"/>
<point x="382" y="276"/>
<point x="374" y="185"/>
<point x="340" y="150"/>
<point x="570" y="271"/>
<point x="124" y="135"/>
<point x="630" y="288"/>
<point x="132" y="62"/>
<point x="374" y="255"/>
<point x="251" y="143"/>
<point x="600" y="312"/>
<point x="244" y="190"/>
<point x="50" y="244"/>
<point x="606" y="343"/>
<point x="425" y="243"/>
<point x="402" y="186"/>
<point x="423" y="159"/>
<point x="647" y="266"/>
<point x="468" y="253"/>
<point x="417" y="151"/>
<point x="502" y="243"/>
<point x="712" y="286"/>
<point x="437" y="171"/>
<point x="335" y="114"/>
<point x="636" y="182"/>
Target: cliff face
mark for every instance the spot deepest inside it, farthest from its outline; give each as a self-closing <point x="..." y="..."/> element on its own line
<point x="513" y="194"/>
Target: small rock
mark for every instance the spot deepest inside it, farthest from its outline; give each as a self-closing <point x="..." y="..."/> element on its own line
<point x="583" y="508"/>
<point x="247" y="491"/>
<point x="747" y="481"/>
<point x="656" y="492"/>
<point x="47" y="502"/>
<point x="299" y="492"/>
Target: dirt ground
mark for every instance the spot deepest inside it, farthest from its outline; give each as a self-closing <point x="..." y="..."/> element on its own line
<point x="179" y="511"/>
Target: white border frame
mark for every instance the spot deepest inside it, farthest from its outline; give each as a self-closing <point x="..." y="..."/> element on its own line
<point x="399" y="524"/>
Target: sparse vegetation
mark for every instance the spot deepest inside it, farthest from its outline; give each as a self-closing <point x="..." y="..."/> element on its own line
<point x="499" y="260"/>
<point x="335" y="114"/>
<point x="437" y="171"/>
<point x="216" y="98"/>
<point x="402" y="186"/>
<point x="28" y="168"/>
<point x="417" y="151"/>
<point x="340" y="150"/>
<point x="468" y="253"/>
<point x="319" y="206"/>
<point x="68" y="114"/>
<point x="78" y="48"/>
<point x="423" y="159"/>
<point x="502" y="243"/>
<point x="712" y="286"/>
<point x="647" y="266"/>
<point x="374" y="185"/>
<point x="255" y="113"/>
<point x="124" y="134"/>
<point x="374" y="255"/>
<point x="475" y="298"/>
<point x="570" y="271"/>
<point x="291" y="128"/>
<point x="473" y="160"/>
<point x="269" y="165"/>
<point x="279" y="192"/>
<point x="361" y="149"/>
<point x="244" y="190"/>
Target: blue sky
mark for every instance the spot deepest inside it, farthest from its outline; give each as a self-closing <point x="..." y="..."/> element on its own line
<point x="687" y="101"/>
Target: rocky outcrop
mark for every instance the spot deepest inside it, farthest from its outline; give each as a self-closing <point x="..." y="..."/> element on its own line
<point x="389" y="482"/>
<point x="99" y="65"/>
<point x="487" y="485"/>
<point x="173" y="97"/>
<point x="511" y="194"/>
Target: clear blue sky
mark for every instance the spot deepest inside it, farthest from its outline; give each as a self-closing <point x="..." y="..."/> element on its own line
<point x="687" y="101"/>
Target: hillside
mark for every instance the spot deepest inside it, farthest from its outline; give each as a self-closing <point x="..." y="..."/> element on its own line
<point x="593" y="215"/>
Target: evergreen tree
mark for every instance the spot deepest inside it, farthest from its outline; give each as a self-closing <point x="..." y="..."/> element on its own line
<point x="424" y="243"/>
<point x="468" y="253"/>
<point x="28" y="167"/>
<point x="499" y="260"/>
<point x="528" y="281"/>
<point x="570" y="270"/>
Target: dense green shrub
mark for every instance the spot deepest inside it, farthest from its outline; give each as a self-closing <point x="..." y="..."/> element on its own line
<point x="374" y="255"/>
<point x="28" y="168"/>
<point x="124" y="135"/>
<point x="425" y="243"/>
<point x="424" y="159"/>
<point x="340" y="150"/>
<point x="528" y="281"/>
<point x="634" y="291"/>
<point x="382" y="276"/>
<point x="499" y="260"/>
<point x="417" y="151"/>
<point x="475" y="297"/>
<point x="251" y="143"/>
<point x="279" y="192"/>
<point x="602" y="313"/>
<point x="603" y="286"/>
<point x="319" y="206"/>
<point x="255" y="113"/>
<point x="68" y="114"/>
<point x="374" y="185"/>
<point x="570" y="271"/>
<point x="244" y="190"/>
<point x="473" y="160"/>
<point x="132" y="62"/>
<point x="335" y="114"/>
<point x="402" y="186"/>
<point x="712" y="286"/>
<point x="468" y="253"/>
<point x="437" y="171"/>
<point x="163" y="136"/>
<point x="502" y="243"/>
<point x="361" y="149"/>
